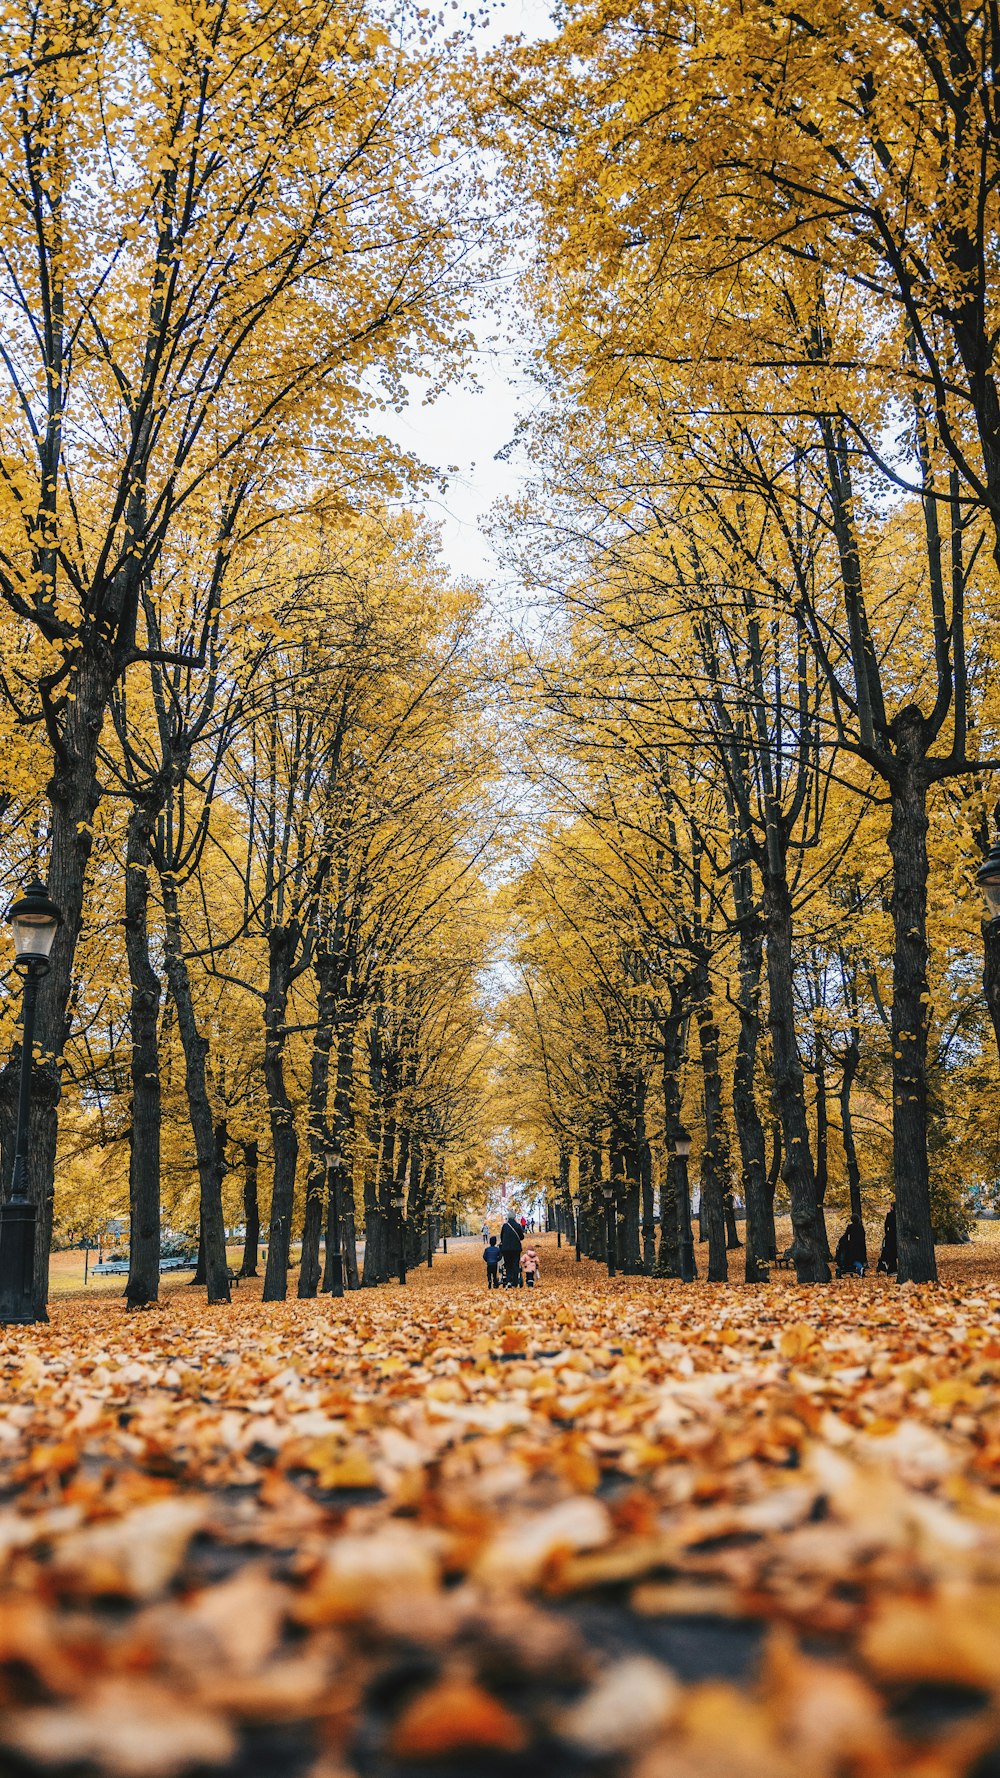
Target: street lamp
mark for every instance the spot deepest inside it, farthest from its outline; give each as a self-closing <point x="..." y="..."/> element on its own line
<point x="988" y="878"/>
<point x="576" y="1226"/>
<point x="430" y="1239"/>
<point x="397" y="1204"/>
<point x="680" y="1148"/>
<point x="611" y="1235"/>
<point x="334" y="1162"/>
<point x="34" y="922"/>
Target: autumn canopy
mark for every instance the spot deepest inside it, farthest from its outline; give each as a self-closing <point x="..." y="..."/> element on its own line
<point x="631" y="892"/>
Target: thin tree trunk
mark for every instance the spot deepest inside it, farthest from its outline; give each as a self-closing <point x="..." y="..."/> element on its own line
<point x="671" y="1194"/>
<point x="645" y="1165"/>
<point x="251" y="1210"/>
<point x="342" y="1136"/>
<point x="760" y="1238"/>
<point x="910" y="1000"/>
<point x="852" y="1061"/>
<point x="144" y="1012"/>
<point x="195" y="1048"/>
<point x="282" y="944"/>
<point x="789" y="1086"/>
<point x="822" y="1145"/>
<point x="715" y="1160"/>
<point x="319" y="1091"/>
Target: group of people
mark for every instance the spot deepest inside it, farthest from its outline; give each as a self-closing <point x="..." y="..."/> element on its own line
<point x="508" y="1261"/>
<point x="852" y="1248"/>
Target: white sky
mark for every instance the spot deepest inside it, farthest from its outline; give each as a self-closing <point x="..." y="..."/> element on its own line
<point x="467" y="426"/>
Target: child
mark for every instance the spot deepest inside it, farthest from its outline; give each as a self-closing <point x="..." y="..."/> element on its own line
<point x="530" y="1267"/>
<point x="492" y="1257"/>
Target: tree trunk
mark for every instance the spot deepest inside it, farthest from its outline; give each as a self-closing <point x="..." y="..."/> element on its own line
<point x="342" y="1136"/>
<point x="672" y="1199"/>
<point x="251" y="1210"/>
<point x="760" y="1238"/>
<point x="852" y="1062"/>
<point x="319" y="1091"/>
<point x="282" y="944"/>
<point x="144" y="1012"/>
<point x="644" y="1161"/>
<point x="991" y="974"/>
<point x="910" y="1002"/>
<point x="715" y="1159"/>
<point x="788" y="1083"/>
<point x="195" y="1048"/>
<point x="822" y="1145"/>
<point x="74" y="793"/>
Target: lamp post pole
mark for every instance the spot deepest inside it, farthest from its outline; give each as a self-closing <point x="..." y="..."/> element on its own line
<point x="34" y="921"/>
<point x="680" y="1148"/>
<point x="430" y="1239"/>
<point x="337" y="1257"/>
<point x="576" y="1227"/>
<point x="611" y="1228"/>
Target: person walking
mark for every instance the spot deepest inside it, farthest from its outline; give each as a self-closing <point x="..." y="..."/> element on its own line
<point x="852" y="1250"/>
<point x="511" y="1240"/>
<point x="530" y="1267"/>
<point x="887" y="1259"/>
<point x="491" y="1254"/>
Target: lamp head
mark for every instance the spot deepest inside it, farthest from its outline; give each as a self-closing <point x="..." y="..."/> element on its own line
<point x="988" y="878"/>
<point x="34" y="922"/>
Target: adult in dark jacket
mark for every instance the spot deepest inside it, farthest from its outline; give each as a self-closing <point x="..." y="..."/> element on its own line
<point x="887" y="1261"/>
<point x="852" y="1249"/>
<point x="510" y="1247"/>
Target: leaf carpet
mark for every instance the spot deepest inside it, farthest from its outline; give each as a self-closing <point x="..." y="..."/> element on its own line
<point x="595" y="1529"/>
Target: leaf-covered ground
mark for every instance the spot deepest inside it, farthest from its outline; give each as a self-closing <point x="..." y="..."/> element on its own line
<point x="592" y="1530"/>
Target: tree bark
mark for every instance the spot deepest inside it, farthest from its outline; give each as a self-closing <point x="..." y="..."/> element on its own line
<point x="282" y="944"/>
<point x="910" y="1003"/>
<point x="715" y="1159"/>
<point x="195" y="1048"/>
<point x="251" y="1210"/>
<point x="144" y="1011"/>
<point x="760" y="1237"/>
<point x="343" y="1143"/>
<point x="852" y="1062"/>
<point x="645" y="1165"/>
<point x="788" y="1084"/>
<point x="822" y="1144"/>
<point x="319" y="1091"/>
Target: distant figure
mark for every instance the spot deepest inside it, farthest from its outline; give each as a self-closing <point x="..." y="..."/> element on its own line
<point x="492" y="1257"/>
<point x="486" y="1232"/>
<point x="511" y="1238"/>
<point x="530" y="1267"/>
<point x="852" y="1250"/>
<point x="887" y="1259"/>
<point x="524" y="1226"/>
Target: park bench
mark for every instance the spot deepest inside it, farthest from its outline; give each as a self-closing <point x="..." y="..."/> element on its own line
<point x="785" y="1261"/>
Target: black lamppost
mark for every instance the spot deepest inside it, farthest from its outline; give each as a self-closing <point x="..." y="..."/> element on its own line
<point x="680" y="1148"/>
<point x="611" y="1227"/>
<point x="397" y="1204"/>
<point x="333" y="1166"/>
<point x="430" y="1239"/>
<point x="558" y="1223"/>
<point x="34" y="922"/>
<point x="576" y="1227"/>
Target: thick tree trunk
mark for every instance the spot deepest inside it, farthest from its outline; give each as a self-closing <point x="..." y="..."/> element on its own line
<point x="195" y="1048"/>
<point x="788" y="1084"/>
<point x="910" y="1001"/>
<point x="715" y="1159"/>
<point x="74" y="793"/>
<point x="144" y="1012"/>
<point x="282" y="944"/>
<point x="251" y="1210"/>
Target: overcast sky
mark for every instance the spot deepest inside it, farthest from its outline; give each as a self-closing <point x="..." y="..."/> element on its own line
<point x="465" y="426"/>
